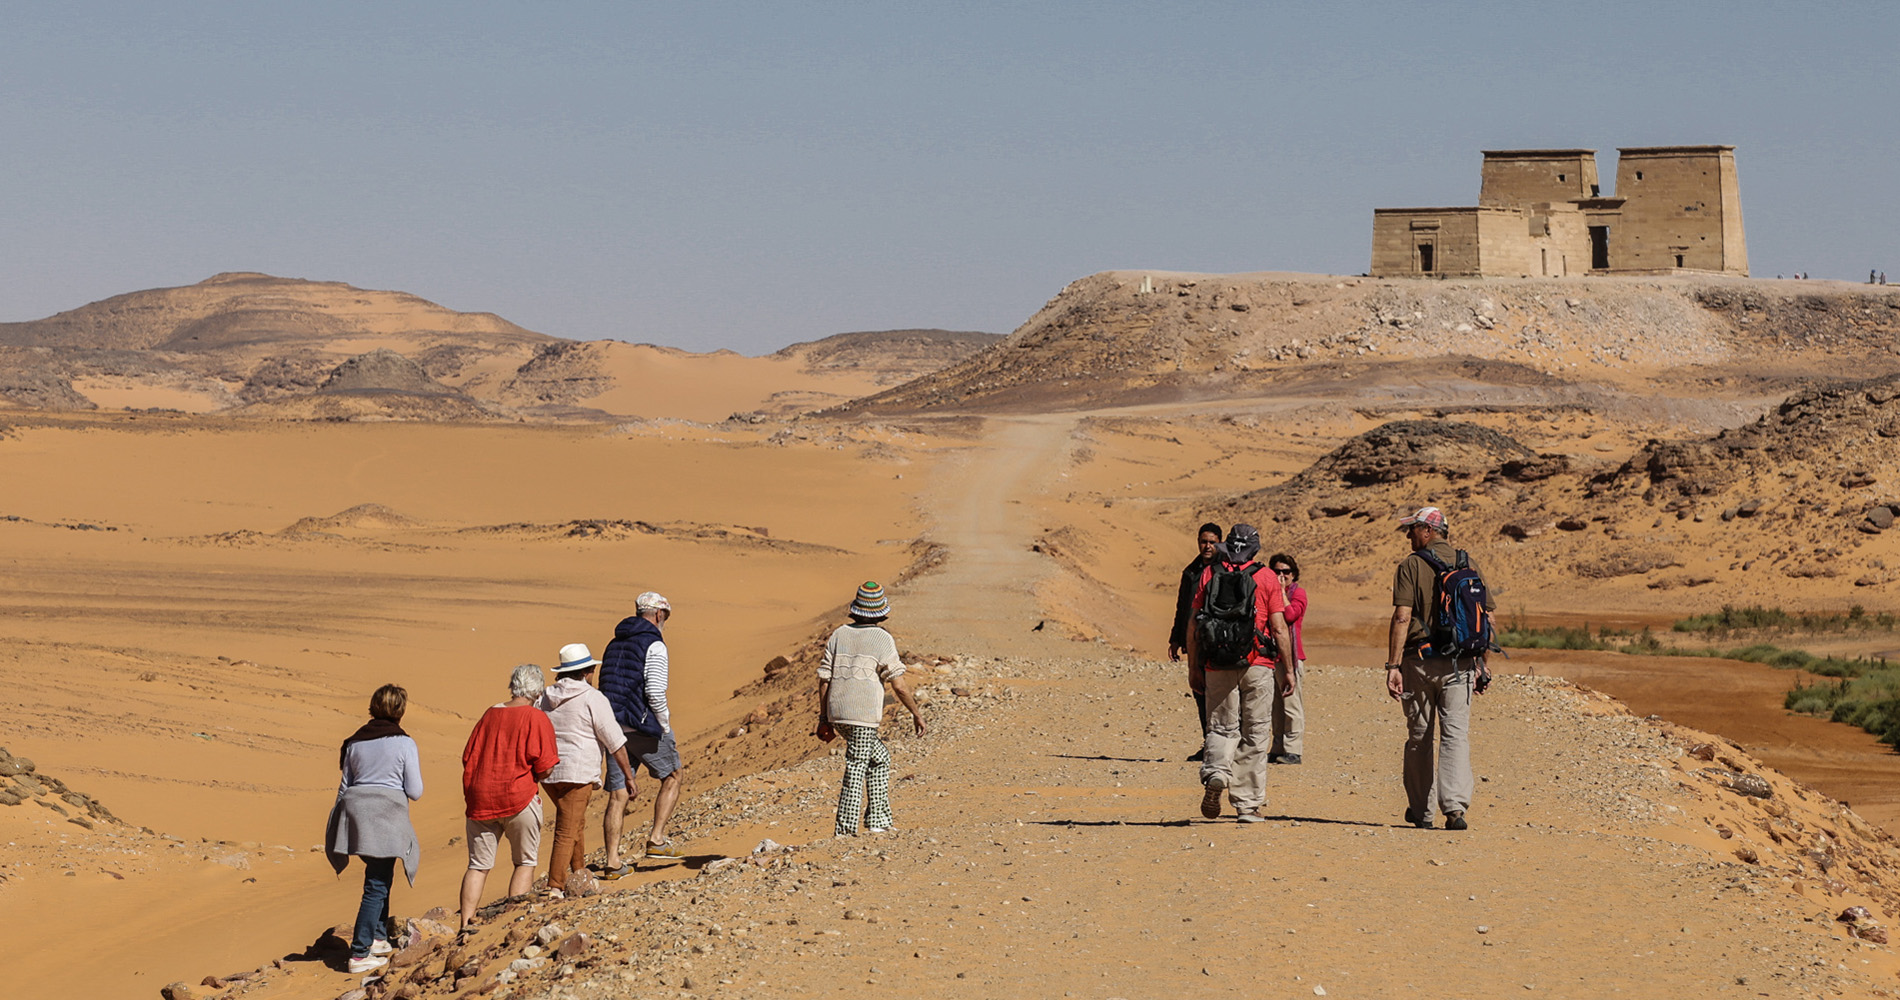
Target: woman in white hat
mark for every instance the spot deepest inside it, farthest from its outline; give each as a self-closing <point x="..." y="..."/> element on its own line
<point x="584" y="726"/>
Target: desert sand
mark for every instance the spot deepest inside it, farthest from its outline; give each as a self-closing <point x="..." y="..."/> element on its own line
<point x="199" y="604"/>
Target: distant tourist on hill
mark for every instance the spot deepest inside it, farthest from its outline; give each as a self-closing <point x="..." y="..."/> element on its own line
<point x="1180" y="638"/>
<point x="1289" y="707"/>
<point x="509" y="751"/>
<point x="860" y="657"/>
<point x="382" y="773"/>
<point x="584" y="728"/>
<point x="633" y="676"/>
<point x="1240" y="618"/>
<point x="1432" y="683"/>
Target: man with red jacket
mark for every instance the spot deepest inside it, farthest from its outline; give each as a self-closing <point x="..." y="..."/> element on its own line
<point x="1240" y="693"/>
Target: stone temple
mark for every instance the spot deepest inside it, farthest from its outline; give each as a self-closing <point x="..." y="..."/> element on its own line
<point x="1541" y="213"/>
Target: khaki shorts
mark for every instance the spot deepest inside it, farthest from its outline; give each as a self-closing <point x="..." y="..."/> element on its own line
<point x="523" y="831"/>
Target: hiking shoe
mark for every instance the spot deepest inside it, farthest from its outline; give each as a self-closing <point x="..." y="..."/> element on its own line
<point x="381" y="946"/>
<point x="1210" y="796"/>
<point x="610" y="874"/>
<point x="665" y="851"/>
<point x="1285" y="758"/>
<point x="1455" y="821"/>
<point x="358" y="966"/>
<point x="1251" y="816"/>
<point x="1416" y="820"/>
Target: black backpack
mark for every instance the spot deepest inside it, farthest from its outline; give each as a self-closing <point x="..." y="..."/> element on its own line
<point x="1225" y="623"/>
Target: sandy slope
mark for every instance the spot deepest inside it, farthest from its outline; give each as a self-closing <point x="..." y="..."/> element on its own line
<point x="195" y="668"/>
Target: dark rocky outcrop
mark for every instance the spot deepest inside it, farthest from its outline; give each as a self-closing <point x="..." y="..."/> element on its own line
<point x="1402" y="449"/>
<point x="383" y="370"/>
<point x="1838" y="432"/>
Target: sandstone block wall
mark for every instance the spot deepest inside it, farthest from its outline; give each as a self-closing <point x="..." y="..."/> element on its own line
<point x="1452" y="234"/>
<point x="1682" y="208"/>
<point x="1520" y="178"/>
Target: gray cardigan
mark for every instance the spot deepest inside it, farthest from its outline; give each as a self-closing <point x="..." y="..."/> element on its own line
<point x="372" y="821"/>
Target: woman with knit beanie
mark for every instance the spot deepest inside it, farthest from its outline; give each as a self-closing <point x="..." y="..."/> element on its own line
<point x="860" y="657"/>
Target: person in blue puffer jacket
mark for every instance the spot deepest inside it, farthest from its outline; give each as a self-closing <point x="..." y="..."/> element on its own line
<point x="633" y="671"/>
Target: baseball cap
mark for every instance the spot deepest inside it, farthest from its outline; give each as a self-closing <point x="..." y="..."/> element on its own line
<point x="1431" y="517"/>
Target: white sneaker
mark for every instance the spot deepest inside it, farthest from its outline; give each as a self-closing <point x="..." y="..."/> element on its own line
<point x="381" y="946"/>
<point x="367" y="963"/>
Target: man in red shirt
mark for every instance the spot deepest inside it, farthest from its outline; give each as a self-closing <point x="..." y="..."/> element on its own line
<point x="511" y="749"/>
<point x="1240" y="693"/>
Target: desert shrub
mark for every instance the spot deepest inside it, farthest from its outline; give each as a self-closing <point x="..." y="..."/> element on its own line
<point x="1870" y="701"/>
<point x="1754" y="617"/>
<point x="1731" y="619"/>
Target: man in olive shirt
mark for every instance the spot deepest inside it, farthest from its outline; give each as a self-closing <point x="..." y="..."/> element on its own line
<point x="1434" y="689"/>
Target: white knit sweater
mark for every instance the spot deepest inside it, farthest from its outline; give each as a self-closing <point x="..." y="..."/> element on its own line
<point x="858" y="660"/>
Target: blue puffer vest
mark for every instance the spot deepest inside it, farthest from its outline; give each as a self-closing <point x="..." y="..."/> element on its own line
<point x="623" y="675"/>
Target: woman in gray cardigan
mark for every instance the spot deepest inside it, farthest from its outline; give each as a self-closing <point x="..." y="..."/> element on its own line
<point x="382" y="772"/>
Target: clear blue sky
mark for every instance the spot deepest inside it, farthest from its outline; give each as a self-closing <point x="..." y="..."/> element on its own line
<point x="746" y="175"/>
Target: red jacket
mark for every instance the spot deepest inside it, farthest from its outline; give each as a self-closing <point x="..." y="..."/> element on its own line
<point x="511" y="749"/>
<point x="1267" y="600"/>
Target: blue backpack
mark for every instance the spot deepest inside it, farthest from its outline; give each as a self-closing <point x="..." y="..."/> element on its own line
<point x="1460" y="626"/>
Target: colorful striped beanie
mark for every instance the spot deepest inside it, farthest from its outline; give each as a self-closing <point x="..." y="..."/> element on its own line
<point x="870" y="601"/>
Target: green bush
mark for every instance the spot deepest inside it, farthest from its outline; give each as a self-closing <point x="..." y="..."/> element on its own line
<point x="1757" y="618"/>
<point x="1870" y="701"/>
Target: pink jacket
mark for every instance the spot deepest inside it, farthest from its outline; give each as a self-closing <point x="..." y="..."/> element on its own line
<point x="1295" y="613"/>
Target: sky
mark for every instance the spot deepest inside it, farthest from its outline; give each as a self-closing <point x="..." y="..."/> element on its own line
<point x="730" y="175"/>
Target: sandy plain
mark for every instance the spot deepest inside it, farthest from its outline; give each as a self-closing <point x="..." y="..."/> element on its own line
<point x="196" y="606"/>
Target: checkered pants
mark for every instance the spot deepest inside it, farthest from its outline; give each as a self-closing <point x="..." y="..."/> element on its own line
<point x="867" y="767"/>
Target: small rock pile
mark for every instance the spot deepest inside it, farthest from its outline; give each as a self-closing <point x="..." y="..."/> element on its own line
<point x="25" y="784"/>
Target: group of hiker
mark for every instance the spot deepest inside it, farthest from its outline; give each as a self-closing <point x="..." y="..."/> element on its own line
<point x="1238" y="621"/>
<point x="544" y="737"/>
<point x="575" y="736"/>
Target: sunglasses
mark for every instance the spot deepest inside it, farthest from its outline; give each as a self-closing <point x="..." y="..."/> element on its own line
<point x="1286" y="570"/>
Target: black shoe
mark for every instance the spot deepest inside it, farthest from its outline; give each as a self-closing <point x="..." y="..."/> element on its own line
<point x="1455" y="821"/>
<point x="1417" y="821"/>
<point x="1198" y="755"/>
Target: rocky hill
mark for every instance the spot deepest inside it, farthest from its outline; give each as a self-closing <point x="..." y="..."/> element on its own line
<point x="261" y="346"/>
<point x="1806" y="492"/>
<point x="244" y="309"/>
<point x="890" y="357"/>
<point x="1131" y="337"/>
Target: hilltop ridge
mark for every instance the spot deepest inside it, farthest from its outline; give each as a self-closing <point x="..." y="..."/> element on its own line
<point x="1130" y="337"/>
<point x="260" y="346"/>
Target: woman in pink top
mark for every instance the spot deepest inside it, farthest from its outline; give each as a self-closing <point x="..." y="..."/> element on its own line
<point x="1289" y="710"/>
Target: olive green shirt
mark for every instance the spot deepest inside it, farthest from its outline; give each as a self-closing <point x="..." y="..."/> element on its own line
<point x="1412" y="588"/>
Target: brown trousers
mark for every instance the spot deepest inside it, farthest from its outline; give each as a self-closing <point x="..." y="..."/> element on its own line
<point x="570" y="831"/>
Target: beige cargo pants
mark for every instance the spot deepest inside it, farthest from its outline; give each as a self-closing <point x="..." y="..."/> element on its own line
<point x="1289" y="714"/>
<point x="1437" y="694"/>
<point x="1239" y="730"/>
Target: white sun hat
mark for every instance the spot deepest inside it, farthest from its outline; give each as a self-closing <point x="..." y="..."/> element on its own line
<point x="575" y="657"/>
